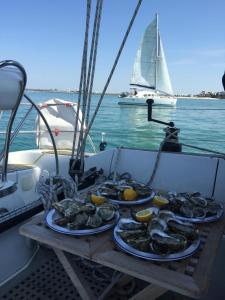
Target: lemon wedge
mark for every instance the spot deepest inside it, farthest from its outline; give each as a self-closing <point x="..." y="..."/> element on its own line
<point x="129" y="194"/>
<point x="144" y="215"/>
<point x="98" y="200"/>
<point x="160" y="201"/>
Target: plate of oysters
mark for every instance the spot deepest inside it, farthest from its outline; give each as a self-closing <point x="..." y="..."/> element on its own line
<point x="156" y="235"/>
<point x="75" y="217"/>
<point x="125" y="192"/>
<point x="193" y="207"/>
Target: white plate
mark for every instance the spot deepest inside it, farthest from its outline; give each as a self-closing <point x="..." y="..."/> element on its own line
<point x="150" y="255"/>
<point x="53" y="214"/>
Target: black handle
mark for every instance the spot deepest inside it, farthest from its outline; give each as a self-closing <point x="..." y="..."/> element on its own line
<point x="150" y="119"/>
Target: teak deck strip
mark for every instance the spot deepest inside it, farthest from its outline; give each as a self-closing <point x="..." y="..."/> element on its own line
<point x="189" y="277"/>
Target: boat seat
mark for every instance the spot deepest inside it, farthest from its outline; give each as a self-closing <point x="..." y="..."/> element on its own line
<point x="12" y="84"/>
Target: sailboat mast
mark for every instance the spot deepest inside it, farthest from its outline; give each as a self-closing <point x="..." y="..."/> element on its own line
<point x="157" y="49"/>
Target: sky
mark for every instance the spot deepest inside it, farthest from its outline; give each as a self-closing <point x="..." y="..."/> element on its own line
<point x="46" y="37"/>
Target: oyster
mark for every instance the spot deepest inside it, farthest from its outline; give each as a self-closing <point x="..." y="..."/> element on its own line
<point x="213" y="209"/>
<point x="131" y="234"/>
<point x="156" y="223"/>
<point x="141" y="243"/>
<point x="143" y="191"/>
<point x="88" y="208"/>
<point x="199" y="201"/>
<point x="185" y="229"/>
<point x="94" y="221"/>
<point x="72" y="210"/>
<point x="79" y="221"/>
<point x="61" y="221"/>
<point x="199" y="212"/>
<point x="166" y="215"/>
<point x="180" y="199"/>
<point x="163" y="243"/>
<point x="131" y="225"/>
<point x="62" y="205"/>
<point x="186" y="211"/>
<point x="106" y="212"/>
<point x="107" y="192"/>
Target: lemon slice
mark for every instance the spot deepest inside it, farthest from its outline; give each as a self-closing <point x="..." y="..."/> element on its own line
<point x="144" y="215"/>
<point x="160" y="201"/>
<point x="129" y="194"/>
<point x="98" y="200"/>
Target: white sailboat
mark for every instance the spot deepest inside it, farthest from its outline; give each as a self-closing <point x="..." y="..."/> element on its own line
<point x="150" y="77"/>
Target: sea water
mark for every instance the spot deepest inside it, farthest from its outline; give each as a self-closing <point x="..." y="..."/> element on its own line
<point x="201" y="123"/>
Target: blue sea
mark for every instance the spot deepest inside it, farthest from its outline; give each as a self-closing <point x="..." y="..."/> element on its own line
<point x="201" y="123"/>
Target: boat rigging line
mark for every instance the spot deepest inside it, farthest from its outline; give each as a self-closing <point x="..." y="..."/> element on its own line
<point x="89" y="81"/>
<point x="85" y="88"/>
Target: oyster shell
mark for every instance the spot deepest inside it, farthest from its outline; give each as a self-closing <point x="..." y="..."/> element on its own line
<point x="186" y="211"/>
<point x="141" y="243"/>
<point x="213" y="208"/>
<point x="131" y="225"/>
<point x="166" y="215"/>
<point x="107" y="192"/>
<point x="156" y="223"/>
<point x="199" y="201"/>
<point x="88" y="208"/>
<point x="72" y="210"/>
<point x="62" y="205"/>
<point x="94" y="221"/>
<point x="163" y="243"/>
<point x="61" y="221"/>
<point x="106" y="212"/>
<point x="199" y="212"/>
<point x="185" y="229"/>
<point x="131" y="234"/>
<point x="79" y="221"/>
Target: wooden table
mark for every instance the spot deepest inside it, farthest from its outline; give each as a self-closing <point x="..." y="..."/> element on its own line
<point x="188" y="277"/>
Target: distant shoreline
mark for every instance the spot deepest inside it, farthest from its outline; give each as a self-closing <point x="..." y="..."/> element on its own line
<point x="66" y="91"/>
<point x="115" y="94"/>
<point x="198" y="98"/>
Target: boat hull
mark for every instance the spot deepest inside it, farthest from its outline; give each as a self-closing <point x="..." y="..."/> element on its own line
<point x="158" y="101"/>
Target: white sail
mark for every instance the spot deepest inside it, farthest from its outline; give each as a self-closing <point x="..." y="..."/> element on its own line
<point x="150" y="68"/>
<point x="163" y="79"/>
<point x="144" y="64"/>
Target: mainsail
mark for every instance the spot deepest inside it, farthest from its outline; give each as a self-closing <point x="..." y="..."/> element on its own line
<point x="150" y="68"/>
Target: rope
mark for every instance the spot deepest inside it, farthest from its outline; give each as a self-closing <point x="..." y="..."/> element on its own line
<point x="173" y="134"/>
<point x="50" y="186"/>
<point x="87" y="79"/>
<point x="91" y="71"/>
<point x="82" y="77"/>
<point x="112" y="70"/>
<point x="170" y="135"/>
<point x="93" y="54"/>
<point x="203" y="149"/>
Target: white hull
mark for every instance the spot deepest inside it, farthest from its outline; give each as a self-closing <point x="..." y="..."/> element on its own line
<point x="158" y="101"/>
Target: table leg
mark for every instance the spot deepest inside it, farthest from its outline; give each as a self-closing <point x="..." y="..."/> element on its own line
<point x="75" y="276"/>
<point x="152" y="292"/>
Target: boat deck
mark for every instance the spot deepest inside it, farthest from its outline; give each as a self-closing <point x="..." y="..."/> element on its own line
<point x="46" y="279"/>
<point x="17" y="167"/>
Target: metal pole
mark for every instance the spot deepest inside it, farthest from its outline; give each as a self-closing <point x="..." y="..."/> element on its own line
<point x="16" y="131"/>
<point x="50" y="133"/>
<point x="3" y="64"/>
